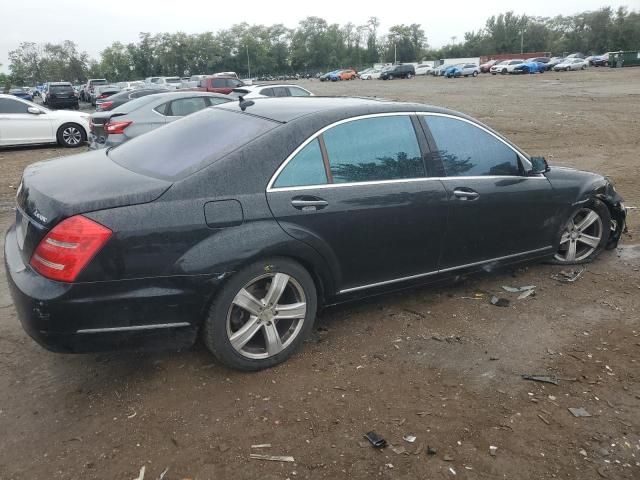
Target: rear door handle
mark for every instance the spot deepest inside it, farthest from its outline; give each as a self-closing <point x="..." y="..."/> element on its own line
<point x="466" y="194"/>
<point x="309" y="203"/>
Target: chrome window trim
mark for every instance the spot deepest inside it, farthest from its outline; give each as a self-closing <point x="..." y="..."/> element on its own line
<point x="270" y="188"/>
<point x="444" y="270"/>
<point x="134" y="327"/>
<point x="283" y="165"/>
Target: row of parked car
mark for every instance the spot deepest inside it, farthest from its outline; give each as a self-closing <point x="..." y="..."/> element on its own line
<point x="123" y="115"/>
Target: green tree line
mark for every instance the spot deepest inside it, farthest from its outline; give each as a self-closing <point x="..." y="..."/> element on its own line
<point x="316" y="45"/>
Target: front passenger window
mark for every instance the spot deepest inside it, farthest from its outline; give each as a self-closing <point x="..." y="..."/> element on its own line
<point x="467" y="150"/>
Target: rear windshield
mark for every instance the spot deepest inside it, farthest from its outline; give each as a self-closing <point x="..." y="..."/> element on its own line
<point x="187" y="145"/>
<point x="61" y="88"/>
<point x="98" y="82"/>
<point x="172" y="79"/>
<point x="133" y="104"/>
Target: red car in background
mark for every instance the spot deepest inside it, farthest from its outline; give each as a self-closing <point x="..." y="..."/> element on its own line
<point x="218" y="84"/>
<point x="485" y="67"/>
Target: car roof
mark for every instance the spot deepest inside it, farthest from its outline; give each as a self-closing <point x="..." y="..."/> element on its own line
<point x="59" y="83"/>
<point x="287" y="109"/>
<point x="256" y="86"/>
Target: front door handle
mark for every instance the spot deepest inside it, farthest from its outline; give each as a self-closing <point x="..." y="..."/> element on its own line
<point x="309" y="203"/>
<point x="466" y="194"/>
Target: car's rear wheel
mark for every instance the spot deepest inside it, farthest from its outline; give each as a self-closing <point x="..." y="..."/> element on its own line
<point x="261" y="317"/>
<point x="390" y="77"/>
<point x="71" y="135"/>
<point x="409" y="75"/>
<point x="584" y="235"/>
<point x="475" y="74"/>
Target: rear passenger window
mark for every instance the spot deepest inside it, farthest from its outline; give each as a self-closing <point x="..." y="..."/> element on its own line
<point x="380" y="148"/>
<point x="297" y="92"/>
<point x="187" y="106"/>
<point x="267" y="92"/>
<point x="306" y="168"/>
<point x="280" y="92"/>
<point x="467" y="150"/>
<point x="162" y="109"/>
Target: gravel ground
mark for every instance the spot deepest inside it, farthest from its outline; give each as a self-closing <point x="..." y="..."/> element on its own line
<point x="433" y="362"/>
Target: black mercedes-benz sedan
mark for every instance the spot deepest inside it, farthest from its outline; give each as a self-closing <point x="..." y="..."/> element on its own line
<point x="237" y="223"/>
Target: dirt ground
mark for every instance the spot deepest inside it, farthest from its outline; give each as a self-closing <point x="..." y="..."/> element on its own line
<point x="433" y="362"/>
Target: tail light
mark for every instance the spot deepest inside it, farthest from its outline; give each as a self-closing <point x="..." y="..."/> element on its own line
<point x="116" y="127"/>
<point x="68" y="248"/>
<point x="103" y="96"/>
<point x="105" y="105"/>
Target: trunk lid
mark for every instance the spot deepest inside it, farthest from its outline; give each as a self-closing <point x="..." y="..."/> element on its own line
<point x="54" y="190"/>
<point x="98" y="122"/>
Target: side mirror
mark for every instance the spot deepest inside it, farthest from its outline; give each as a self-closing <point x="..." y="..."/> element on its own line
<point x="34" y="110"/>
<point x="540" y="165"/>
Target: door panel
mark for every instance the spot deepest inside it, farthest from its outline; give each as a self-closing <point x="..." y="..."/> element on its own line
<point x="495" y="210"/>
<point x="509" y="215"/>
<point x="357" y="193"/>
<point x="376" y="232"/>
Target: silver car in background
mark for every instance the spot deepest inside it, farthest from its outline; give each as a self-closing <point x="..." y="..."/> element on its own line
<point x="139" y="116"/>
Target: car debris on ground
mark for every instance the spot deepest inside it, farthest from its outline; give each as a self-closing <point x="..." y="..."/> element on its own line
<point x="499" y="302"/>
<point x="579" y="412"/>
<point x="568" y="276"/>
<point x="271" y="458"/>
<point x="375" y="440"/>
<point x="409" y="438"/>
<point x="540" y="378"/>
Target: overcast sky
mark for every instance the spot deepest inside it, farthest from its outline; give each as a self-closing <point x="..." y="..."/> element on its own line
<point x="94" y="25"/>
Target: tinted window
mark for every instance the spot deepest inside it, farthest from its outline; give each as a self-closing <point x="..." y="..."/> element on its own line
<point x="280" y="92"/>
<point x="133" y="104"/>
<point x="467" y="150"/>
<point x="306" y="168"/>
<point x="162" y="109"/>
<point x="60" y="88"/>
<point x="268" y="92"/>
<point x="219" y="83"/>
<point x="186" y="106"/>
<point x="187" y="145"/>
<point x="298" y="92"/>
<point x="216" y="101"/>
<point x="381" y="148"/>
<point x="233" y="83"/>
<point x="12" y="106"/>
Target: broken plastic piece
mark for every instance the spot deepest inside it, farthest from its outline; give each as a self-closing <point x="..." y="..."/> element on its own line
<point x="579" y="412"/>
<point x="541" y="378"/>
<point x="499" y="302"/>
<point x="568" y="276"/>
<point x="375" y="440"/>
<point x="409" y="438"/>
<point x="518" y="289"/>
<point x="272" y="458"/>
<point x="492" y="450"/>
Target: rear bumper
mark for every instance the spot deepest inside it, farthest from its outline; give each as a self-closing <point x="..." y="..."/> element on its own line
<point x="96" y="143"/>
<point x="163" y="312"/>
<point x="62" y="102"/>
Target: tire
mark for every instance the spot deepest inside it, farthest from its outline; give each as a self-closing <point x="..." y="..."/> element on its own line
<point x="584" y="67"/>
<point x="390" y="77"/>
<point x="71" y="135"/>
<point x="409" y="76"/>
<point x="588" y="223"/>
<point x="250" y="352"/>
<point x="504" y="71"/>
<point x="475" y="73"/>
<point x="493" y="73"/>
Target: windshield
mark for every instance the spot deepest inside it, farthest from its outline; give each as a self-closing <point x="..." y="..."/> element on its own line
<point x="98" y="82"/>
<point x="172" y="79"/>
<point x="187" y="145"/>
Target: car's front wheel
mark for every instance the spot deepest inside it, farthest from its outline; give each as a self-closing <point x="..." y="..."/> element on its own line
<point x="71" y="135"/>
<point x="584" y="235"/>
<point x="475" y="74"/>
<point x="262" y="315"/>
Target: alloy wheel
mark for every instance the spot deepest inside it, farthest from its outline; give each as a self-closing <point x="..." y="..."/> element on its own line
<point x="581" y="236"/>
<point x="266" y="315"/>
<point x="71" y="135"/>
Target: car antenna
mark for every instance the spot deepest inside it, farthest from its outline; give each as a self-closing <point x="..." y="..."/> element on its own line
<point x="245" y="103"/>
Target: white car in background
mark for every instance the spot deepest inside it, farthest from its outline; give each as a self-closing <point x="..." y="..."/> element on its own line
<point x="506" y="66"/>
<point x="424" y="69"/>
<point x="572" y="64"/>
<point x="267" y="90"/>
<point x="372" y="74"/>
<point x="23" y="122"/>
<point x="128" y="86"/>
